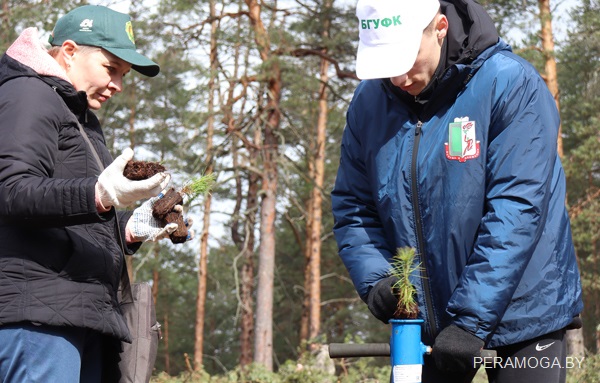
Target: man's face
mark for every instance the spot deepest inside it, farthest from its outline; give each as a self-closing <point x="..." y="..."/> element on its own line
<point x="417" y="78"/>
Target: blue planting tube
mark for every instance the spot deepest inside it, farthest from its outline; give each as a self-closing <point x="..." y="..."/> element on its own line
<point x="407" y="350"/>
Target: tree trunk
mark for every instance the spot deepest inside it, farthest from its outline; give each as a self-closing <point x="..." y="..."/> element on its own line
<point x="574" y="337"/>
<point x="317" y="196"/>
<point x="310" y="321"/>
<point x="247" y="274"/>
<point x="263" y="344"/>
<point x="594" y="295"/>
<point x="247" y="303"/>
<point x="550" y="75"/>
<point x="165" y="325"/>
<point x="131" y="122"/>
<point x="243" y="224"/>
<point x="203" y="264"/>
<point x="303" y="336"/>
<point x="316" y="210"/>
<point x="305" y="314"/>
<point x="244" y="240"/>
<point x="155" y="274"/>
<point x="165" y="334"/>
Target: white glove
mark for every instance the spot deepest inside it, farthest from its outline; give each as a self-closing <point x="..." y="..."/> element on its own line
<point x="143" y="227"/>
<point x="114" y="189"/>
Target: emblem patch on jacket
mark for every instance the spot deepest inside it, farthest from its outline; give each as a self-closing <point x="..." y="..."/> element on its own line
<point x="462" y="144"/>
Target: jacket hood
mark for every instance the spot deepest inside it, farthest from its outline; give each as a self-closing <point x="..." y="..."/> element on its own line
<point x="27" y="57"/>
<point x="471" y="31"/>
<point x="28" y="50"/>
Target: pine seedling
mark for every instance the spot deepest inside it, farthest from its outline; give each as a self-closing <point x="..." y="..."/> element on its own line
<point x="199" y="186"/>
<point x="164" y="208"/>
<point x="403" y="266"/>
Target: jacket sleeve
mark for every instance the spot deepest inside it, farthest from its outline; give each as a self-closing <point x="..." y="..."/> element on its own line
<point x="358" y="229"/>
<point x="30" y="123"/>
<point x="521" y="161"/>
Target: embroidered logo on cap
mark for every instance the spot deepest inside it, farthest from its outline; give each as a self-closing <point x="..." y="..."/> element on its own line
<point x="462" y="144"/>
<point x="129" y="30"/>
<point x="86" y="25"/>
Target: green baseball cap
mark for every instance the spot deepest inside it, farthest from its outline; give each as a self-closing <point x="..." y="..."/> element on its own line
<point x="102" y="27"/>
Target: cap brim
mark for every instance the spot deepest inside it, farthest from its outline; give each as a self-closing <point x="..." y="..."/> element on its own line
<point x="139" y="62"/>
<point x="389" y="60"/>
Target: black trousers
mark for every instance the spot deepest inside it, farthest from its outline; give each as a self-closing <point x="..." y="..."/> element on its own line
<point x="539" y="360"/>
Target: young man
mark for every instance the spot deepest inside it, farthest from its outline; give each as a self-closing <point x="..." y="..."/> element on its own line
<point x="450" y="148"/>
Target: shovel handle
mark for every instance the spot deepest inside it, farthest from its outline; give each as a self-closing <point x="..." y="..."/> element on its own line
<point x="350" y="350"/>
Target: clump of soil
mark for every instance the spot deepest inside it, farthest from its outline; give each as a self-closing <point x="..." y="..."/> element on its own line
<point x="181" y="234"/>
<point x="141" y="170"/>
<point x="163" y="209"/>
<point x="410" y="312"/>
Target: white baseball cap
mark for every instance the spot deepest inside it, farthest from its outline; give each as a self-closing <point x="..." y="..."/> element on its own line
<point x="390" y="33"/>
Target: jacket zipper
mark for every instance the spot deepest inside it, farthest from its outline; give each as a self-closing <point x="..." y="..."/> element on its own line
<point x="419" y="230"/>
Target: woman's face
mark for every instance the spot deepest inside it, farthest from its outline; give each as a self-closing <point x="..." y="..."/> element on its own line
<point x="98" y="73"/>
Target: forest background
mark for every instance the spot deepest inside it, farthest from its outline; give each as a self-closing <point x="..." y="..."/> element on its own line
<point x="256" y="92"/>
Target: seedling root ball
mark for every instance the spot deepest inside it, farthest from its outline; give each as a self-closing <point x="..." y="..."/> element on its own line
<point x="163" y="209"/>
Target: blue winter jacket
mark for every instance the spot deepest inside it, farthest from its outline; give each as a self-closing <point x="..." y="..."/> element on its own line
<point x="476" y="187"/>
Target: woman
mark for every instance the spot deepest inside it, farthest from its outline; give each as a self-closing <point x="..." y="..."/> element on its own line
<point x="61" y="258"/>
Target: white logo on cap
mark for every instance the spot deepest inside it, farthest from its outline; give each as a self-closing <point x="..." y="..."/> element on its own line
<point x="86" y="25"/>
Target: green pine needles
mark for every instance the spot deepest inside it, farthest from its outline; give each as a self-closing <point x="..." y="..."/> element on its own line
<point x="199" y="186"/>
<point x="403" y="266"/>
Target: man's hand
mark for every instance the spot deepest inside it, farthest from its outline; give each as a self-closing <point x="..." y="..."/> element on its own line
<point x="454" y="349"/>
<point x="382" y="301"/>
<point x="114" y="189"/>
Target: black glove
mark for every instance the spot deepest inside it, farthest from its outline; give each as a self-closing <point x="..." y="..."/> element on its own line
<point x="382" y="301"/>
<point x="455" y="348"/>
